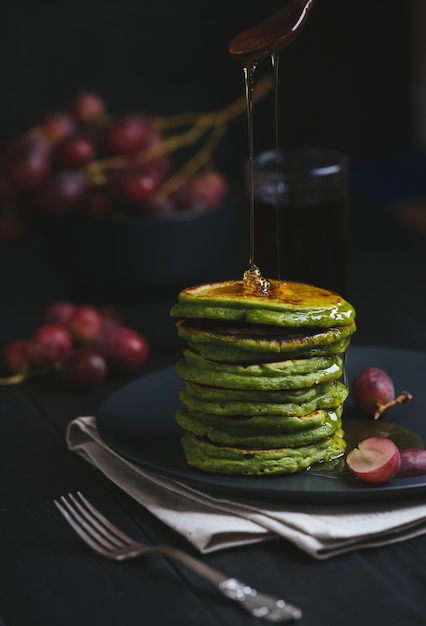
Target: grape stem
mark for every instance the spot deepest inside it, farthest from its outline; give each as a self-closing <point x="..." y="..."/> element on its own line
<point x="192" y="165"/>
<point x="21" y="377"/>
<point x="381" y="407"/>
<point x="222" y="116"/>
<point x="213" y="125"/>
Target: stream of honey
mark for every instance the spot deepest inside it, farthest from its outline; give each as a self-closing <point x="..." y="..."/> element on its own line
<point x="266" y="39"/>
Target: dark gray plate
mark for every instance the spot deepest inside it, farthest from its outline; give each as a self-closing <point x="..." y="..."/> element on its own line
<point x="137" y="421"/>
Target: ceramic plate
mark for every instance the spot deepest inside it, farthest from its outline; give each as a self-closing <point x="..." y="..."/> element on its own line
<point x="137" y="421"/>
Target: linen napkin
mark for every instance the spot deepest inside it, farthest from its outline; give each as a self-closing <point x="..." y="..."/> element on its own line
<point x="211" y="522"/>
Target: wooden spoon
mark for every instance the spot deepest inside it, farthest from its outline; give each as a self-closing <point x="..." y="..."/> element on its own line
<point x="271" y="35"/>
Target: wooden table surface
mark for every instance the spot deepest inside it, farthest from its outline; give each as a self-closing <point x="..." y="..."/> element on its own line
<point x="49" y="577"/>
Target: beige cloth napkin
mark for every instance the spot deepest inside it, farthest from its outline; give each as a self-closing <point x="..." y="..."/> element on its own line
<point x="211" y="522"/>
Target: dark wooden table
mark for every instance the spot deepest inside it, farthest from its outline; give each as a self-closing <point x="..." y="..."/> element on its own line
<point x="48" y="577"/>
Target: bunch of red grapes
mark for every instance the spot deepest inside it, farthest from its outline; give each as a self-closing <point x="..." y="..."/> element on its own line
<point x="84" y="161"/>
<point x="85" y="343"/>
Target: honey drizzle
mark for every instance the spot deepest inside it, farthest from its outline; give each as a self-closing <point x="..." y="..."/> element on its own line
<point x="253" y="281"/>
<point x="275" y="33"/>
<point x="249" y="71"/>
<point x="275" y="57"/>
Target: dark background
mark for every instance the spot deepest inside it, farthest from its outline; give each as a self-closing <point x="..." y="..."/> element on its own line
<point x="347" y="82"/>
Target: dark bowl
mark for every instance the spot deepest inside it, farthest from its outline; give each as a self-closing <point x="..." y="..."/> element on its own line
<point x="140" y="254"/>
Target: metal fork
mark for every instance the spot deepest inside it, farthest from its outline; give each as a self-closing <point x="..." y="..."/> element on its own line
<point x="112" y="543"/>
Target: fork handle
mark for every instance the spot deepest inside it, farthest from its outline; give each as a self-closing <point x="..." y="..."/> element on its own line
<point x="258" y="604"/>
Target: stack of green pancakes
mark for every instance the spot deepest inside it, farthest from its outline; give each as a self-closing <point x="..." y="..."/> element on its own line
<point x="263" y="390"/>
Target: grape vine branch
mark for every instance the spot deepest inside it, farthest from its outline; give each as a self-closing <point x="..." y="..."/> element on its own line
<point x="212" y="125"/>
<point x="20" y="377"/>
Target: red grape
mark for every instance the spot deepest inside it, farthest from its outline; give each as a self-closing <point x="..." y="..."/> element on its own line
<point x="98" y="204"/>
<point x="134" y="185"/>
<point x="85" y="323"/>
<point x="211" y="188"/>
<point x="162" y="165"/>
<point x="206" y="190"/>
<point x="15" y="356"/>
<point x="371" y="388"/>
<point x="28" y="161"/>
<point x="124" y="349"/>
<point x="48" y="344"/>
<point x="126" y="135"/>
<point x="56" y="125"/>
<point x="63" y="192"/>
<point x="111" y="318"/>
<point x="84" y="368"/>
<point x="163" y="162"/>
<point x="75" y="151"/>
<point x="58" y="312"/>
<point x="413" y="462"/>
<point x="87" y="107"/>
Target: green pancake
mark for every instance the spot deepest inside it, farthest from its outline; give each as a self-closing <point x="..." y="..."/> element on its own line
<point x="289" y="374"/>
<point x="331" y="398"/>
<point x="265" y="431"/>
<point x="247" y="343"/>
<point x="286" y="304"/>
<point x="236" y="355"/>
<point x="223" y="396"/>
<point x="220" y="459"/>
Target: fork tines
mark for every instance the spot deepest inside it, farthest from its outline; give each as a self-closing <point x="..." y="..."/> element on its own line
<point x="90" y="525"/>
